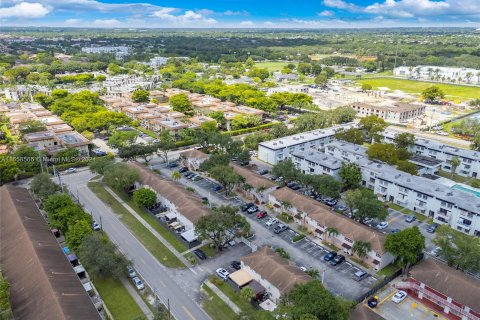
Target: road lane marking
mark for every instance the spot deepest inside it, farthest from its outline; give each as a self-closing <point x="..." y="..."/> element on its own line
<point x="393" y="219"/>
<point x="188" y="312"/>
<point x="387" y="297"/>
<point x="143" y="261"/>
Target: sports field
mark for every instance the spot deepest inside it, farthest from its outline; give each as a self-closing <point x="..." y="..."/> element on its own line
<point x="272" y="65"/>
<point x="453" y="92"/>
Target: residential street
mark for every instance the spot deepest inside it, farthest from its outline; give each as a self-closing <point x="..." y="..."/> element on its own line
<point x="182" y="305"/>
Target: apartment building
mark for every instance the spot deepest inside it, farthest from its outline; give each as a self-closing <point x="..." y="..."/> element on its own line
<point x="120" y="51"/>
<point x="470" y="159"/>
<point x="459" y="209"/>
<point x="274" y="151"/>
<point x="316" y="162"/>
<point x="444" y="74"/>
<point x="317" y="218"/>
<point x="396" y="113"/>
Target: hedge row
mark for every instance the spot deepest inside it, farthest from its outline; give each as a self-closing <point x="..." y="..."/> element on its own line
<point x="249" y="130"/>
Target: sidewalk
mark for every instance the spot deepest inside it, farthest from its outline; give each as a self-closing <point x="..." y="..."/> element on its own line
<point x="136" y="296"/>
<point x="222" y="296"/>
<point x="149" y="227"/>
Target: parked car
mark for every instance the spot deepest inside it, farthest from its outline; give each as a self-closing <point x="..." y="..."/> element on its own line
<point x="131" y="272"/>
<point x="393" y="231"/>
<point x="244" y="163"/>
<point x="342" y="208"/>
<point x="432" y="228"/>
<point x="246" y="206"/>
<point x="410" y="218"/>
<point x="382" y="225"/>
<point x="367" y="221"/>
<point x="262" y="171"/>
<point x="329" y="256"/>
<point x="222" y="273"/>
<point x="172" y="165"/>
<point x="261" y="215"/>
<point x="280" y="228"/>
<point x="270" y="222"/>
<point x="138" y="283"/>
<point x="236" y="265"/>
<point x="252" y="209"/>
<point x="339" y="259"/>
<point x="291" y="184"/>
<point x="71" y="170"/>
<point x="183" y="169"/>
<point x="296" y="187"/>
<point x="217" y="187"/>
<point x="399" y="296"/>
<point x="436" y="252"/>
<point x="330" y="202"/>
<point x="200" y="254"/>
<point x="372" y="302"/>
<point x="99" y="152"/>
<point x="191" y="176"/>
<point x="360" y="275"/>
<point x="96" y="226"/>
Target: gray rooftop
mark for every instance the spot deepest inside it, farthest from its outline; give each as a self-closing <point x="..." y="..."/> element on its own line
<point x="348" y="147"/>
<point x="303" y="137"/>
<point x="320" y="158"/>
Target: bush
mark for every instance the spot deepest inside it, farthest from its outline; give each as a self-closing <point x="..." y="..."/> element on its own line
<point x="475" y="183"/>
<point x="298" y="237"/>
<point x="282" y="253"/>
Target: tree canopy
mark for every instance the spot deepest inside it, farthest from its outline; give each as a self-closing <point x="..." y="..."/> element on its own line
<point x="406" y="245"/>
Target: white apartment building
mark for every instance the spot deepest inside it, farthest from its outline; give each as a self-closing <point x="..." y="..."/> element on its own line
<point x="470" y="159"/>
<point x="156" y="62"/>
<point x="316" y="162"/>
<point x="120" y="51"/>
<point x="397" y="112"/>
<point x="459" y="209"/>
<point x="444" y="74"/>
<point x="290" y="89"/>
<point x="276" y="150"/>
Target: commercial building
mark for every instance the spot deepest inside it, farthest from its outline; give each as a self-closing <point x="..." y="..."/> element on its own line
<point x="274" y="151"/>
<point x="452" y="292"/>
<point x="43" y="284"/>
<point x="317" y="218"/>
<point x="436" y="73"/>
<point x="459" y="209"/>
<point x="397" y="112"/>
<point x="470" y="159"/>
<point x="276" y="274"/>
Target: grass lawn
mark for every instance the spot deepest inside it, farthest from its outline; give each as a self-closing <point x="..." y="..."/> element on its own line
<point x="209" y="251"/>
<point x="215" y="307"/>
<point x="407" y="211"/>
<point x="272" y="65"/>
<point x="162" y="230"/>
<point x="156" y="248"/>
<point x="451" y="91"/>
<point x="388" y="270"/>
<point x="235" y="297"/>
<point x="458" y="178"/>
<point x="119" y="302"/>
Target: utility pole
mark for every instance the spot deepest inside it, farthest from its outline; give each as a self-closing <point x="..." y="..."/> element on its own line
<point x="55" y="172"/>
<point x="168" y="307"/>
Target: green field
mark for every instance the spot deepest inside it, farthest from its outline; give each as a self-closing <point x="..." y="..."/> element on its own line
<point x="410" y="86"/>
<point x="272" y="65"/>
<point x="215" y="307"/>
<point x="156" y="248"/>
<point x="119" y="302"/>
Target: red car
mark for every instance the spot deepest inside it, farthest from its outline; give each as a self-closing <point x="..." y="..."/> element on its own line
<point x="261" y="215"/>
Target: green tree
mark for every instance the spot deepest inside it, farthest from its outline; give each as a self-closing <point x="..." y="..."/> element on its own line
<point x="209" y="125"/>
<point x="363" y="203"/>
<point x="31" y="126"/>
<point x="454" y="162"/>
<point x="407" y="166"/>
<point x="145" y="197"/>
<point x="122" y="138"/>
<point x="476" y="142"/>
<point x="304" y="68"/>
<point x="222" y="226"/>
<point x="404" y="140"/>
<point x="101" y="257"/>
<point x="361" y="248"/>
<point x="120" y="176"/>
<point x="351" y="135"/>
<point x="247" y="293"/>
<point x="312" y="299"/>
<point x="373" y="125"/>
<point x="99" y="165"/>
<point x="8" y="169"/>
<point x="219" y="116"/>
<point x="351" y="175"/>
<point x="43" y="186"/>
<point x="314" y="273"/>
<point x="141" y="96"/>
<point x="226" y="177"/>
<point x="286" y="169"/>
<point x="28" y="159"/>
<point x="385" y="152"/>
<point x="370" y="66"/>
<point x="321" y="80"/>
<point x="179" y="102"/>
<point x="432" y="93"/>
<point x="323" y="184"/>
<point x="176" y="176"/>
<point x="67" y="155"/>
<point x="366" y="86"/>
<point x="77" y="232"/>
<point x="166" y="143"/>
<point x="406" y="245"/>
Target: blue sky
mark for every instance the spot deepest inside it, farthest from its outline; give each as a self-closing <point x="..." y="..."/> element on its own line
<point x="241" y="13"/>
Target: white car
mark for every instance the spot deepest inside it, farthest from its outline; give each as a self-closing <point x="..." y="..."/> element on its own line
<point x="138" y="283"/>
<point x="222" y="273"/>
<point x="270" y="222"/>
<point x="71" y="170"/>
<point x="382" y="225"/>
<point x="399" y="296"/>
<point x="436" y="252"/>
<point x="131" y="272"/>
<point x="96" y="226"/>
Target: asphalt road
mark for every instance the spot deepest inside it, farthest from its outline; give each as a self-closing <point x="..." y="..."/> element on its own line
<point x="155" y="275"/>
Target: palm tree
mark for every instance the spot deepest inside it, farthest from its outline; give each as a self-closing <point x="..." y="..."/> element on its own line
<point x="361" y="248"/>
<point x="468" y="76"/>
<point x="454" y="162"/>
<point x="176" y="176"/>
<point x="437" y="73"/>
<point x="285" y="205"/>
<point x="247" y="187"/>
<point x="331" y="231"/>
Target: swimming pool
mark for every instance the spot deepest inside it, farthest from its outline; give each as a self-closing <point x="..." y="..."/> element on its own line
<point x="462" y="188"/>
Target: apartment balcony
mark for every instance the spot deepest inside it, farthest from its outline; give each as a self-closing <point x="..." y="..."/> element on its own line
<point x="401" y="201"/>
<point x="420" y="204"/>
<point x="464" y="223"/>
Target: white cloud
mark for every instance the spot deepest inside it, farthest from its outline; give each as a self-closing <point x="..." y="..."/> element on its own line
<point x="340" y="4"/>
<point x="408" y="8"/>
<point x="25" y="10"/>
<point x="247" y="23"/>
<point x="106" y="23"/>
<point x="73" y="21"/>
<point x="188" y="18"/>
<point x="326" y="13"/>
<point x="236" y="13"/>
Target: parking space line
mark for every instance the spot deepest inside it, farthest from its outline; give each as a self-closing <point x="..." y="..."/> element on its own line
<point x="387" y="297"/>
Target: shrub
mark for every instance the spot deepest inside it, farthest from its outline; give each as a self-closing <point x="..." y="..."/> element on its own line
<point x="282" y="253"/>
<point x="298" y="237"/>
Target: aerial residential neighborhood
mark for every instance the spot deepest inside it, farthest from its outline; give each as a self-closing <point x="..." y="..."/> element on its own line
<point x="240" y="160"/>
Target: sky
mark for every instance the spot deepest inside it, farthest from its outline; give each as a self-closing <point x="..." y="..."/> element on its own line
<point x="241" y="13"/>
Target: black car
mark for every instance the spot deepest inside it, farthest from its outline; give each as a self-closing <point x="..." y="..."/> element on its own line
<point x="172" y="165"/>
<point x="432" y="228"/>
<point x="329" y="256"/>
<point x="339" y="259"/>
<point x="217" y="187"/>
<point x="262" y="171"/>
<point x="183" y="169"/>
<point x="236" y="265"/>
<point x="246" y="206"/>
<point x="291" y="184"/>
<point x="296" y="187"/>
<point x="200" y="254"/>
<point x="189" y="175"/>
<point x="244" y="163"/>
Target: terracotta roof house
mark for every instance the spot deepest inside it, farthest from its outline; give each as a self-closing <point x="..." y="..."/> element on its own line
<point x="276" y="274"/>
<point x="451" y="291"/>
<point x="43" y="284"/>
<point x="193" y="158"/>
<point x="318" y="217"/>
<point x="261" y="186"/>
